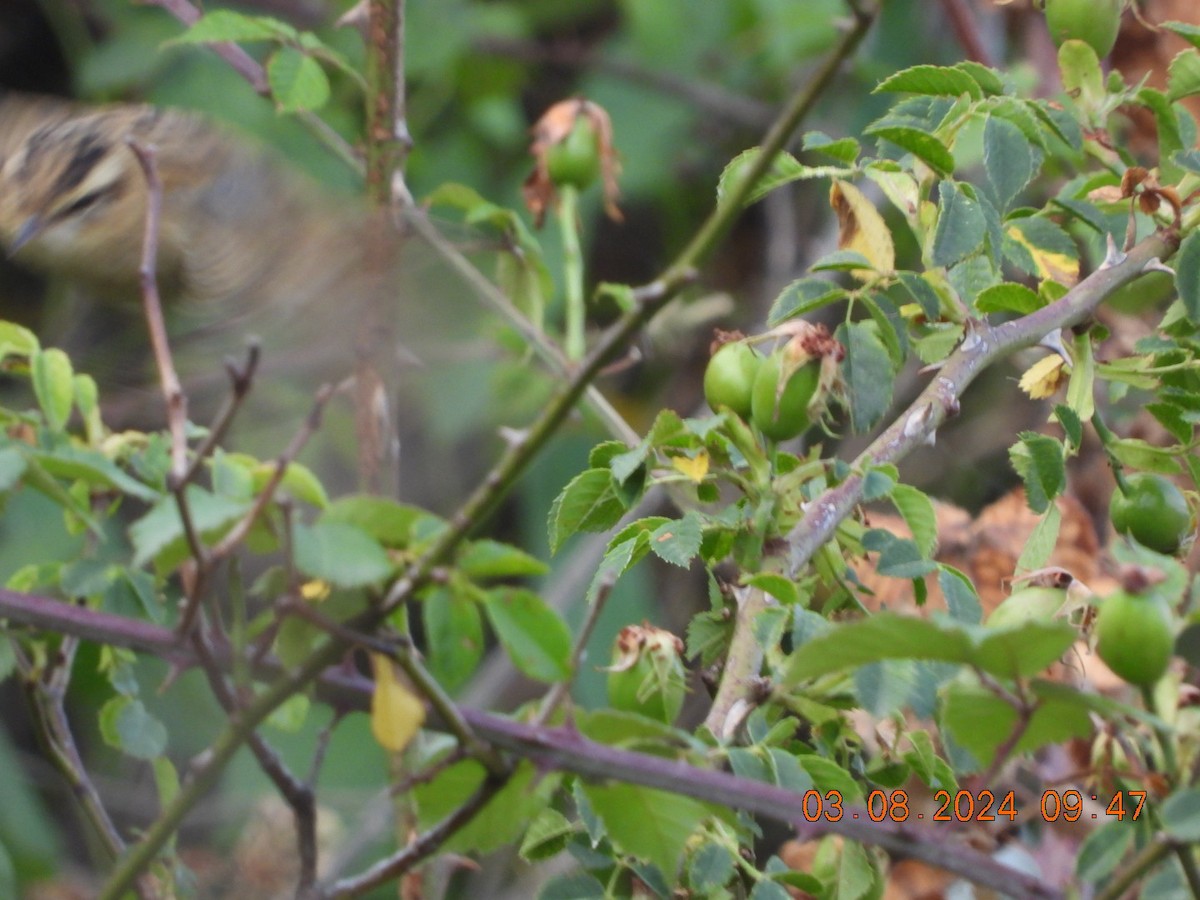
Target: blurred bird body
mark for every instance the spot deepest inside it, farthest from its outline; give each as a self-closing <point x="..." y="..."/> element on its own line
<point x="238" y="228"/>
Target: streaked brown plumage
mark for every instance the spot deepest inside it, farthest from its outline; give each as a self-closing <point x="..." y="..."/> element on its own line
<point x="238" y="228"/>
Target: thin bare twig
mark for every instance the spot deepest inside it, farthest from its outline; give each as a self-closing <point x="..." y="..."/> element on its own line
<point x="557" y="748"/>
<point x="241" y="379"/>
<point x="312" y="422"/>
<point x="248" y="67"/>
<point x="520" y="453"/>
<point x="966" y="30"/>
<point x="297" y="794"/>
<point x="562" y="689"/>
<point x="420" y="847"/>
<point x="176" y="400"/>
<point x="917" y="425"/>
<point x="1024" y="710"/>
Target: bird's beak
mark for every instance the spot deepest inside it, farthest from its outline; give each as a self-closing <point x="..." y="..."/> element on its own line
<point x="29" y="229"/>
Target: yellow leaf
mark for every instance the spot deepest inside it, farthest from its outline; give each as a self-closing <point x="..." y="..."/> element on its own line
<point x="314" y="591"/>
<point x="397" y="714"/>
<point x="861" y="228"/>
<point x="694" y="468"/>
<point x="1056" y="266"/>
<point x="1044" y="377"/>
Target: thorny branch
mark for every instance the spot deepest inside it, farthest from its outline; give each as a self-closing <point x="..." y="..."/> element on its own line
<point x="983" y="345"/>
<point x="649" y="299"/>
<point x="559" y="748"/>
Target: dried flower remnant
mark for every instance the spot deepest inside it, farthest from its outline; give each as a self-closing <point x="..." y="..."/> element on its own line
<point x="572" y="143"/>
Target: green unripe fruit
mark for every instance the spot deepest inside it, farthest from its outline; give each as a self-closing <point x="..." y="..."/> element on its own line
<point x="1029" y="604"/>
<point x="1133" y="637"/>
<point x="575" y="160"/>
<point x="729" y="378"/>
<point x="1153" y="512"/>
<point x="647" y="674"/>
<point x="1095" y="22"/>
<point x="778" y="413"/>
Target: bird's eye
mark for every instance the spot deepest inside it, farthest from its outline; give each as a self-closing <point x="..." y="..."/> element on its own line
<point x="80" y="204"/>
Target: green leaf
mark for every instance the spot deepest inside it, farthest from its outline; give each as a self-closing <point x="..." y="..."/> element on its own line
<point x="829" y="776"/>
<point x="589" y="502"/>
<point x="867" y="372"/>
<point x="889" y="635"/>
<point x="617" y="560"/>
<point x="127" y="725"/>
<point x="1038" y="459"/>
<point x="991" y="81"/>
<point x="454" y="636"/>
<point x="898" y="557"/>
<point x="927" y="764"/>
<point x="858" y="877"/>
<point x="961" y="226"/>
<point x="982" y="722"/>
<point x="778" y="586"/>
<point x="87" y="401"/>
<point x="1170" y="138"/>
<point x="1042" y="541"/>
<point x="298" y="480"/>
<point x="1081" y="398"/>
<point x="1008" y="297"/>
<point x="1186" y="30"/>
<point x="53" y="385"/>
<point x="1102" y="851"/>
<point x="485" y="559"/>
<point x="1022" y="650"/>
<point x="392" y="524"/>
<point x="841" y="261"/>
<point x="1181" y="815"/>
<point x="1187" y="276"/>
<point x="883" y="688"/>
<point x="158" y="535"/>
<point x="341" y="554"/>
<point x="16" y="340"/>
<point x="12" y="467"/>
<point x="318" y="49"/>
<point x="646" y="823"/>
<point x="922" y="293"/>
<point x="226" y="25"/>
<point x="72" y="462"/>
<point x="502" y="819"/>
<point x="934" y="80"/>
<point x="917" y="510"/>
<point x="710" y="867"/>
<point x="919" y="143"/>
<point x="678" y="540"/>
<point x="1173" y="418"/>
<point x="534" y="636"/>
<point x="1142" y="456"/>
<point x="1071" y="423"/>
<point x="802" y="297"/>
<point x="961" y="598"/>
<point x="879" y="482"/>
<point x="573" y="886"/>
<point x="769" y="890"/>
<point x="784" y="169"/>
<point x="546" y="836"/>
<point x="297" y="80"/>
<point x="1081" y="74"/>
<point x="843" y="149"/>
<point x="1183" y="75"/>
<point x="1008" y="160"/>
<point x="290" y="716"/>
